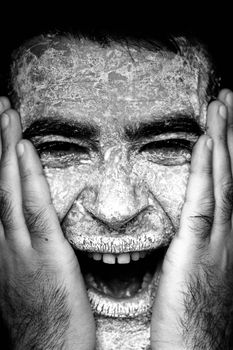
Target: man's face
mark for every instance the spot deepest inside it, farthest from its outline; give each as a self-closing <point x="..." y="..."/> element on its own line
<point x="115" y="128"/>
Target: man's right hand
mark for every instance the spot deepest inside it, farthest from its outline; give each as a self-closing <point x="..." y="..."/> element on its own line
<point x="43" y="300"/>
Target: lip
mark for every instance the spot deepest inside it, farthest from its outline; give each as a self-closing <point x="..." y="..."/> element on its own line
<point x="152" y="229"/>
<point x="140" y="304"/>
<point x="148" y="240"/>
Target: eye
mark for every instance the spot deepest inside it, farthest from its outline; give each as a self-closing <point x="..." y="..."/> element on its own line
<point x="171" y="143"/>
<point x="62" y="154"/>
<point x="169" y="151"/>
<point x="60" y="148"/>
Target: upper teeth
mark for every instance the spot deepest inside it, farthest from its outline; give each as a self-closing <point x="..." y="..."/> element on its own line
<point x="124" y="258"/>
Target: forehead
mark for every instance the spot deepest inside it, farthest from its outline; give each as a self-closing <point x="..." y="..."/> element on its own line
<point x="84" y="80"/>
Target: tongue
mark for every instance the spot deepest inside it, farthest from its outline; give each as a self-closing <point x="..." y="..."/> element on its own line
<point x="118" y="288"/>
<point x="120" y="280"/>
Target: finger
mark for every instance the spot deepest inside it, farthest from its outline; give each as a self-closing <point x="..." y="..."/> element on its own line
<point x="226" y="97"/>
<point x="10" y="192"/>
<point x="4" y="104"/>
<point x="40" y="215"/>
<point x="197" y="213"/>
<point x="222" y="176"/>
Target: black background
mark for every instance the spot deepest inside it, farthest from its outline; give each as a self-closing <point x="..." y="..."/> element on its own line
<point x="210" y="23"/>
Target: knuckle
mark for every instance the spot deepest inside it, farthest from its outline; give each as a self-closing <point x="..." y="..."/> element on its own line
<point x="34" y="200"/>
<point x="38" y="220"/>
<point x="226" y="201"/>
<point x="202" y="170"/>
<point x="6" y="161"/>
<point x="6" y="206"/>
<point x="221" y="138"/>
<point x="5" y="196"/>
<point x="227" y="190"/>
<point x="204" y="204"/>
<point x="29" y="173"/>
<point x="206" y="169"/>
<point x="207" y="205"/>
<point x="26" y="175"/>
<point x="201" y="225"/>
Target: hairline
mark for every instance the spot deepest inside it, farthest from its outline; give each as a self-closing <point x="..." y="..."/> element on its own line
<point x="179" y="45"/>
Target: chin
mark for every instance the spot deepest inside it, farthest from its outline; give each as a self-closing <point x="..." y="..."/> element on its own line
<point x="122" y="334"/>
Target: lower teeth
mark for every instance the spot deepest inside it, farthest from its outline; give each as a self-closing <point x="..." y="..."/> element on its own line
<point x="146" y="281"/>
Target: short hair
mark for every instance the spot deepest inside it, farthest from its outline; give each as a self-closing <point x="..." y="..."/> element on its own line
<point x="188" y="47"/>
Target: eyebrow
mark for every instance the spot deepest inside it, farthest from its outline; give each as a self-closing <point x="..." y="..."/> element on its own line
<point x="170" y="123"/>
<point x="85" y="131"/>
<point x="57" y="126"/>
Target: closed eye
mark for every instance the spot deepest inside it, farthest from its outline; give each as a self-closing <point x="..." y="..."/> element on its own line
<point x="168" y="151"/>
<point x="63" y="154"/>
<point x="60" y="148"/>
<point x="169" y="143"/>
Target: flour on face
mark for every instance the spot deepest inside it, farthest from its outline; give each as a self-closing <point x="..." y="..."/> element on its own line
<point x="118" y="197"/>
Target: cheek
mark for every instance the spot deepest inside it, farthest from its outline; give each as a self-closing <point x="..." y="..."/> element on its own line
<point x="168" y="186"/>
<point x="166" y="183"/>
<point x="65" y="186"/>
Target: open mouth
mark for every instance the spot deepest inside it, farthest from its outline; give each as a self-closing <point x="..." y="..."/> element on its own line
<point x="121" y="285"/>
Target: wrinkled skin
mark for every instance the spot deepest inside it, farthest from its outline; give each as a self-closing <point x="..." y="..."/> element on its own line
<point x="114" y="179"/>
<point x="110" y="89"/>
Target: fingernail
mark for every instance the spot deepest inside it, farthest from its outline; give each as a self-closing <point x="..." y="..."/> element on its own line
<point x="229" y="99"/>
<point x="20" y="149"/>
<point x="222" y="111"/>
<point x="4" y="121"/>
<point x="209" y="144"/>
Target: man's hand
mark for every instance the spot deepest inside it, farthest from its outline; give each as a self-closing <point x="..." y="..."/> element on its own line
<point x="194" y="304"/>
<point x="43" y="300"/>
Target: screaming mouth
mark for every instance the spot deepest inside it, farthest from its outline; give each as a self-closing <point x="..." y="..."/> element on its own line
<point x="122" y="285"/>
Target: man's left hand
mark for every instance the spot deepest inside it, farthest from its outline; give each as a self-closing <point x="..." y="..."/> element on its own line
<point x="194" y="305"/>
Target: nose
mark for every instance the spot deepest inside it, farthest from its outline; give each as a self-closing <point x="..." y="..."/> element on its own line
<point x="117" y="200"/>
<point x="116" y="203"/>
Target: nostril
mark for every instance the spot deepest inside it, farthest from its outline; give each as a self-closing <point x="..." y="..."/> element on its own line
<point x="88" y="197"/>
<point x="114" y="222"/>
